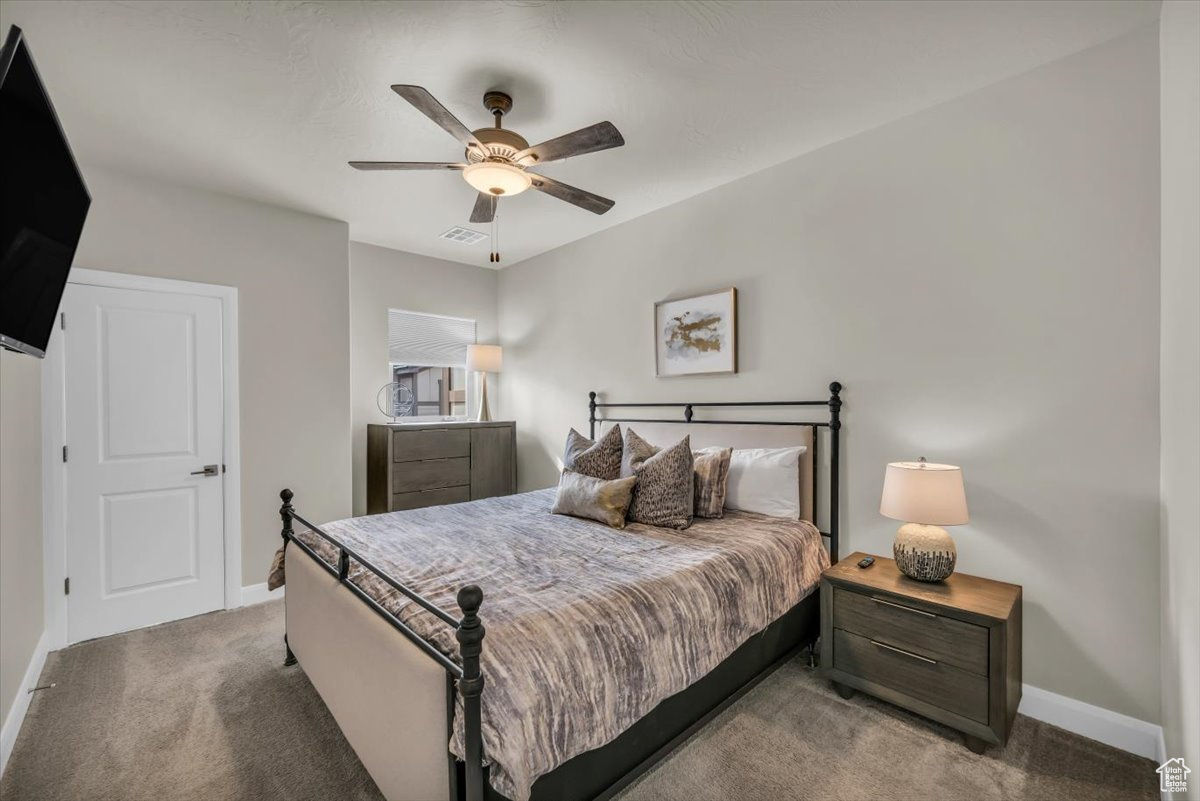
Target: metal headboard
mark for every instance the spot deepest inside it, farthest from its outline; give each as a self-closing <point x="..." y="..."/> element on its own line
<point x="833" y="404"/>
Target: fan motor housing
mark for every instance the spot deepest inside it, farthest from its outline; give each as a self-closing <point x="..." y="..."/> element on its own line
<point x="502" y="143"/>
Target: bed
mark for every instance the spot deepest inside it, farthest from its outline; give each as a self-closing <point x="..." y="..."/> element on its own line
<point x="603" y="648"/>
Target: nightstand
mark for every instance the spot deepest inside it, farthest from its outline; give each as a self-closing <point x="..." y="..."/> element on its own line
<point x="950" y="650"/>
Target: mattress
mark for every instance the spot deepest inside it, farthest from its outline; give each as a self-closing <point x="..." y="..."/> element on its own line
<point x="588" y="627"/>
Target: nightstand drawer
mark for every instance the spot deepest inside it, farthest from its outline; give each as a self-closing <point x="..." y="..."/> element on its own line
<point x="915" y="675"/>
<point x="938" y="637"/>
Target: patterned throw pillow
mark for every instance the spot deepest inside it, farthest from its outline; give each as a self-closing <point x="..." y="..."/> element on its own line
<point x="711" y="475"/>
<point x="663" y="495"/>
<point x="583" y="496"/>
<point x="596" y="459"/>
<point x="635" y="451"/>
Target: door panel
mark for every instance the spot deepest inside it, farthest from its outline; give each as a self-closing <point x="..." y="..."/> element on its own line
<point x="144" y="411"/>
<point x="135" y="425"/>
<point x="491" y="462"/>
<point x="138" y="551"/>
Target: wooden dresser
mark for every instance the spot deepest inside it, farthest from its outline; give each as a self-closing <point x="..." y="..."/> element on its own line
<point x="429" y="464"/>
<point x="950" y="650"/>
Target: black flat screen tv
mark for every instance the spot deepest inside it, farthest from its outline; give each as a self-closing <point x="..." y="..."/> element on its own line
<point x="45" y="203"/>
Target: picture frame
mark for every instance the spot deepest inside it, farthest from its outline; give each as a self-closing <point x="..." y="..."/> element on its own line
<point x="696" y="335"/>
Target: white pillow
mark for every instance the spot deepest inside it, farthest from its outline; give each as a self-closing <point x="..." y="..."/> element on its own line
<point x="766" y="481"/>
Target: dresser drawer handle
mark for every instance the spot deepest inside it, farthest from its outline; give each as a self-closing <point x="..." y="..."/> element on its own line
<point x="902" y="651"/>
<point x="905" y="608"/>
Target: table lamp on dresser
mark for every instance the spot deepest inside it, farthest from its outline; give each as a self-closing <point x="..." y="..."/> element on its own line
<point x="926" y="497"/>
<point x="484" y="359"/>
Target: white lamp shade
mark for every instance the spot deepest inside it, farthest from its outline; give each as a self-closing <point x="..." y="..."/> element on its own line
<point x="497" y="178"/>
<point x="484" y="358"/>
<point x="920" y="492"/>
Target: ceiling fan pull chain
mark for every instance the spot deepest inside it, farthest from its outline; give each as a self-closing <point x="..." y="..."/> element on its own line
<point x="495" y="257"/>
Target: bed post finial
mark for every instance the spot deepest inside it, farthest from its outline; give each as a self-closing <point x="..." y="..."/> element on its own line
<point x="470" y="686"/>
<point x="835" y="426"/>
<point x="591" y="415"/>
<point x="286" y="511"/>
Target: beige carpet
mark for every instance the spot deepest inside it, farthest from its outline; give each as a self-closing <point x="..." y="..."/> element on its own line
<point x="203" y="709"/>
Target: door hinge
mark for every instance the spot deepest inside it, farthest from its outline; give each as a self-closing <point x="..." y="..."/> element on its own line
<point x="67" y="586"/>
<point x="64" y="454"/>
<point x="62" y="320"/>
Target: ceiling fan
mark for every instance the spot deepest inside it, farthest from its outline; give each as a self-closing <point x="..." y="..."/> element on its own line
<point x="497" y="159"/>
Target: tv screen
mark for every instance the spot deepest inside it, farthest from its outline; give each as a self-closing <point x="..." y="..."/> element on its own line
<point x="45" y="203"/>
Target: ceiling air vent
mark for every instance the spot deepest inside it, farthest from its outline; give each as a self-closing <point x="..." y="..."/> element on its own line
<point x="464" y="236"/>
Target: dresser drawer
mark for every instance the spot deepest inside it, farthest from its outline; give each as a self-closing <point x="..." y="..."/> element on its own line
<point x="434" y="443"/>
<point x="944" y="639"/>
<point x="431" y="474"/>
<point x="928" y="680"/>
<point x="432" y="497"/>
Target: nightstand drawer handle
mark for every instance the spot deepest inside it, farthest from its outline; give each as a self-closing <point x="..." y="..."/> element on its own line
<point x="905" y="608"/>
<point x="902" y="651"/>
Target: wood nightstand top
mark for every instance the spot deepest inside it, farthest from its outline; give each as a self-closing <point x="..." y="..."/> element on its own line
<point x="985" y="598"/>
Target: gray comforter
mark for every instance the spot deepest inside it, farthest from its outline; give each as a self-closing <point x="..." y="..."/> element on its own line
<point x="588" y="627"/>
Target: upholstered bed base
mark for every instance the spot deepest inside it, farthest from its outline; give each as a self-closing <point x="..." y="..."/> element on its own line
<point x="388" y="698"/>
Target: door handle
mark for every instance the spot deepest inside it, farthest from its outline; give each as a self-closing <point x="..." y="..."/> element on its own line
<point x="209" y="470"/>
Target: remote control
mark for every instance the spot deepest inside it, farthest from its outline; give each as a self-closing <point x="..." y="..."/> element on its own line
<point x="867" y="562"/>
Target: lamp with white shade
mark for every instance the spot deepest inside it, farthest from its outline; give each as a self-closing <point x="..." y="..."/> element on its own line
<point x="926" y="497"/>
<point x="484" y="359"/>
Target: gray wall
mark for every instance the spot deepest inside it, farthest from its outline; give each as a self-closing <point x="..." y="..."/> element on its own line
<point x="293" y="278"/>
<point x="21" y="617"/>
<point x="382" y="279"/>
<point x="983" y="278"/>
<point x="1181" y="383"/>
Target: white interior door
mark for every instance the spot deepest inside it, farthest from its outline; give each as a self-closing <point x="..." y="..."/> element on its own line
<point x="143" y="418"/>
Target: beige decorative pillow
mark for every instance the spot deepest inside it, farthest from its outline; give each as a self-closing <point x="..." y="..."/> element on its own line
<point x="594" y="498"/>
<point x="711" y="476"/>
<point x="600" y="459"/>
<point x="663" y="495"/>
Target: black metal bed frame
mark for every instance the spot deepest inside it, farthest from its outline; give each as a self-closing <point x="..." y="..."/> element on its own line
<point x="467" y="679"/>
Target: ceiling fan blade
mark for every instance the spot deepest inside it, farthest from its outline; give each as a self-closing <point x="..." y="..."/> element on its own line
<point x="600" y="136"/>
<point x="428" y="105"/>
<point x="578" y="197"/>
<point x="404" y="165"/>
<point x="485" y="208"/>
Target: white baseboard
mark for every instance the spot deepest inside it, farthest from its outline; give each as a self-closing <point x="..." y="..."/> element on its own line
<point x="258" y="593"/>
<point x="1111" y="728"/>
<point x="16" y="715"/>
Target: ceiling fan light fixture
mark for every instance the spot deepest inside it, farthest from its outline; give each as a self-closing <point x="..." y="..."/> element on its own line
<point x="497" y="178"/>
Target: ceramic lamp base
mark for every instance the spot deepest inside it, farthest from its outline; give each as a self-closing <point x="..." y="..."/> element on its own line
<point x="924" y="553"/>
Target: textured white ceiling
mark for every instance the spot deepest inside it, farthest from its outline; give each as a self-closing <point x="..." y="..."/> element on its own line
<point x="269" y="100"/>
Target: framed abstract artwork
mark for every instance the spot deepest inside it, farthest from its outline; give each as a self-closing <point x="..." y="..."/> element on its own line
<point x="696" y="335"/>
